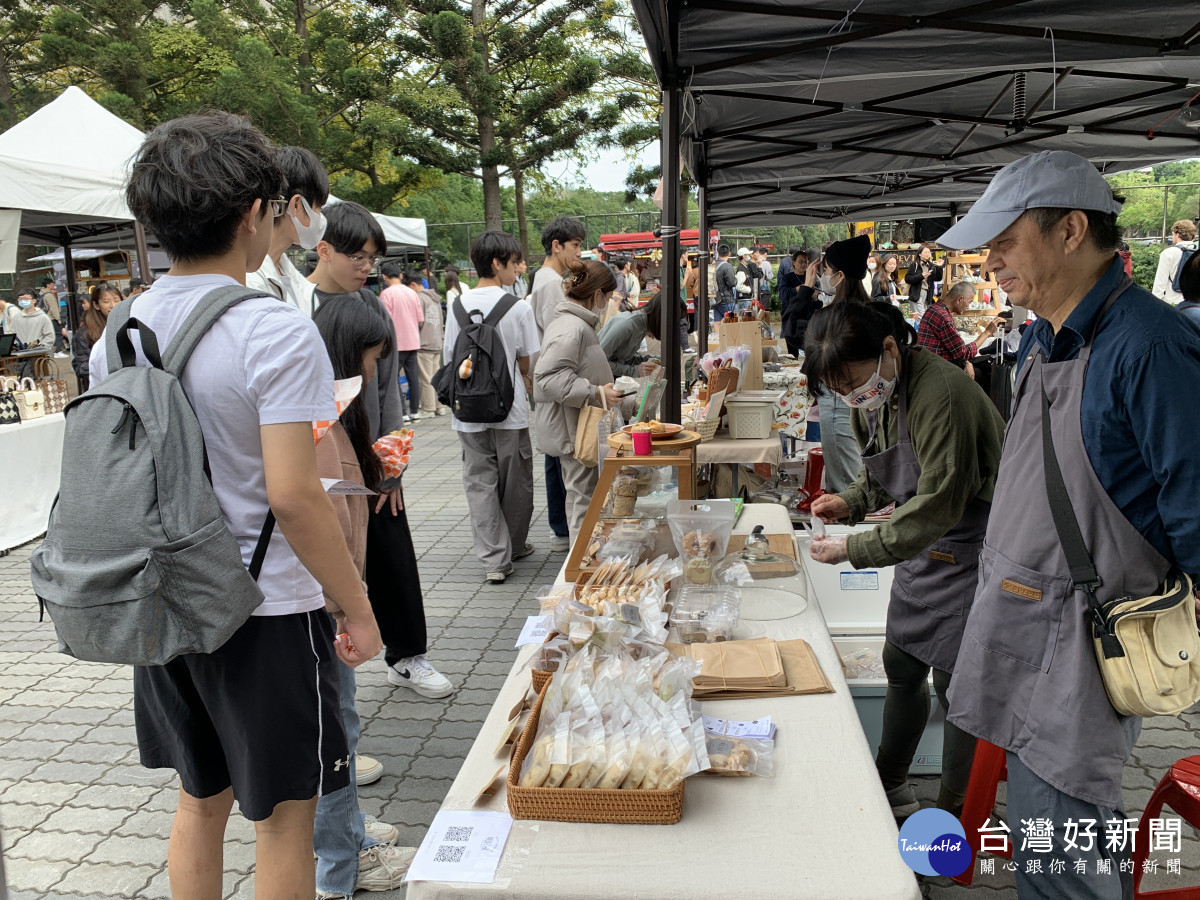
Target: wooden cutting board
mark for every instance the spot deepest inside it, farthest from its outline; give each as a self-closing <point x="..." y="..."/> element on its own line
<point x="783" y="544"/>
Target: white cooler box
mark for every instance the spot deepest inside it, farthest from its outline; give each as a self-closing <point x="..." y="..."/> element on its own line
<point x="854" y="603"/>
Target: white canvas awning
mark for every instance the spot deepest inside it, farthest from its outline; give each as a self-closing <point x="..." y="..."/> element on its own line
<point x="400" y="232"/>
<point x="55" y="184"/>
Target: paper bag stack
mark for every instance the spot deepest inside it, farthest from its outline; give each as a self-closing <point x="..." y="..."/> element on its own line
<point x="763" y="667"/>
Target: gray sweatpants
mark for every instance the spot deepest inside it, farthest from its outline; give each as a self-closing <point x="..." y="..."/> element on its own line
<point x="580" y="482"/>
<point x="498" y="481"/>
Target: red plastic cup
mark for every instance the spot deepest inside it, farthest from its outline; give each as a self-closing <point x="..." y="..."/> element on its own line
<point x="642" y="443"/>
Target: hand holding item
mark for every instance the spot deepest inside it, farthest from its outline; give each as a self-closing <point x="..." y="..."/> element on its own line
<point x="359" y="642"/>
<point x="831" y="550"/>
<point x="611" y="396"/>
<point x="647" y="368"/>
<point x="830" y="509"/>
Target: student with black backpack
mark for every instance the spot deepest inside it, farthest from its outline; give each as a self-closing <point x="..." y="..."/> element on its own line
<point x="484" y="383"/>
<point x="255" y="719"/>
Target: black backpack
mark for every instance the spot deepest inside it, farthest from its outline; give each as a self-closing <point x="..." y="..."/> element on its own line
<point x="477" y="383"/>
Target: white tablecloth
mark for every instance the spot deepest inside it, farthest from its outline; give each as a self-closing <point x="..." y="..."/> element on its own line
<point x="821" y="828"/>
<point x="30" y="463"/>
<point x="724" y="449"/>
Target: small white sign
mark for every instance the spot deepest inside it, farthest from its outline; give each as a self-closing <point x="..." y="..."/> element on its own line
<point x="860" y="581"/>
<point x="461" y="846"/>
<point x="536" y="630"/>
<point x="337" y="486"/>
<point x="758" y="728"/>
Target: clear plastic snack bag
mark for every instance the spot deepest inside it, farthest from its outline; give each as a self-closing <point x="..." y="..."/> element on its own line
<point x="740" y="756"/>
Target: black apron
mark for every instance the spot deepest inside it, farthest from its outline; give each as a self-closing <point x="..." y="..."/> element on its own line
<point x="932" y="592"/>
<point x="1027" y="678"/>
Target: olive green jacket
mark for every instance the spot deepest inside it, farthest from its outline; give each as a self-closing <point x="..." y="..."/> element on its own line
<point x="956" y="433"/>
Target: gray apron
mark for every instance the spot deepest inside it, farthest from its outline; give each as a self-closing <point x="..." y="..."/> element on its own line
<point x="932" y="592"/>
<point x="1027" y="678"/>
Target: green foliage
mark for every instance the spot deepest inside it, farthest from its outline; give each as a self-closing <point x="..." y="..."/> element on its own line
<point x="1144" y="192"/>
<point x="1145" y="263"/>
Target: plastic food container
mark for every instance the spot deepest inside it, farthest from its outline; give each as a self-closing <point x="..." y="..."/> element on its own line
<point x="751" y="413"/>
<point x="704" y="615"/>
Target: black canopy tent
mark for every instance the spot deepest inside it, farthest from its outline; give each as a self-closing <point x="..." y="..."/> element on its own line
<point x="826" y="111"/>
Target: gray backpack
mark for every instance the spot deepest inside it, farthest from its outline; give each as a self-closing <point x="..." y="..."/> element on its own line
<point x="138" y="565"/>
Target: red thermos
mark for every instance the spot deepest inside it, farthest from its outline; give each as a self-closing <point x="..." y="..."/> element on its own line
<point x="814" y="471"/>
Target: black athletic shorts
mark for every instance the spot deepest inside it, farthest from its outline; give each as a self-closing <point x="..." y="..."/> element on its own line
<point x="260" y="714"/>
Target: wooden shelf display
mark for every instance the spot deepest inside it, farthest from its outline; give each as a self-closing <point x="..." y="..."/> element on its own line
<point x="955" y="263"/>
<point x="678" y="452"/>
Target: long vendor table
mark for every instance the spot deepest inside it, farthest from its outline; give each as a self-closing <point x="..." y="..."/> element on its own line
<point x="820" y="828"/>
<point x="31" y="460"/>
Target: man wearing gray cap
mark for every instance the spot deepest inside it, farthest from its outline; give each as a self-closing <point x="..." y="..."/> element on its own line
<point x="1113" y="371"/>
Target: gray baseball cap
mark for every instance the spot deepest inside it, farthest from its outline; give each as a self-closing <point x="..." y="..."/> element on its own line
<point x="1052" y="178"/>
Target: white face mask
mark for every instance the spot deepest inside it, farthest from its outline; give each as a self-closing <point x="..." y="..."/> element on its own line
<point x="308" y="236"/>
<point x="871" y="266"/>
<point x="825" y="283"/>
<point x="873" y="393"/>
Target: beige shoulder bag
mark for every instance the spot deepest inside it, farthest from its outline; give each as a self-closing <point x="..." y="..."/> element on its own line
<point x="1148" y="648"/>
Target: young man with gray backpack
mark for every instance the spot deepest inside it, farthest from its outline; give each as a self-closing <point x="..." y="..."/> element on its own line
<point x="203" y="399"/>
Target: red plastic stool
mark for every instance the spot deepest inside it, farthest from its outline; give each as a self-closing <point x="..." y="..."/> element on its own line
<point x="1180" y="790"/>
<point x="988" y="769"/>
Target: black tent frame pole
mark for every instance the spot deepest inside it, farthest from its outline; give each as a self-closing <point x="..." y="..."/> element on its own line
<point x="702" y="298"/>
<point x="143" y="254"/>
<point x="74" y="313"/>
<point x="671" y="404"/>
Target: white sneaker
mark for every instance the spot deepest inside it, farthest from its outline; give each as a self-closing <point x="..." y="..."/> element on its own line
<point x="443" y="411"/>
<point x="416" y="673"/>
<point x="380" y="868"/>
<point x="380" y="831"/>
<point x="367" y="770"/>
<point x="383" y="868"/>
<point x="560" y="544"/>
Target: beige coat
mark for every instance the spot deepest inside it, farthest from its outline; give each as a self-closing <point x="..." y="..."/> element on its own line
<point x="336" y="459"/>
<point x="571" y="365"/>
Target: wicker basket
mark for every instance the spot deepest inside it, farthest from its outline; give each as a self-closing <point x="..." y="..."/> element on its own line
<point x="707" y="429"/>
<point x="585" y="805"/>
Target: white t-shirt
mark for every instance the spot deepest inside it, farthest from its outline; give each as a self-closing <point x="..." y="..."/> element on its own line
<point x="518" y="331"/>
<point x="262" y="363"/>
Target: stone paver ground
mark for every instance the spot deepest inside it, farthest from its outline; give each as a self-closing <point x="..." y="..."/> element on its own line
<point x="81" y="818"/>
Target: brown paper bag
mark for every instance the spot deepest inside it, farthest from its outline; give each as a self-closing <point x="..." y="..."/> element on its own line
<point x="752" y="665"/>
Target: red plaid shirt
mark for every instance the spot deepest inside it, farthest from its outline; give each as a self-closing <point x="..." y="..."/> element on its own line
<point x="937" y="333"/>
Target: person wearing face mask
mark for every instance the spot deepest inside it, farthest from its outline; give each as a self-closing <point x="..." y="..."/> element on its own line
<point x="572" y="372"/>
<point x="845" y="264"/>
<point x="872" y="273"/>
<point x="930" y="444"/>
<point x="302" y="223"/>
<point x="33" y="327"/>
<point x="921" y="280"/>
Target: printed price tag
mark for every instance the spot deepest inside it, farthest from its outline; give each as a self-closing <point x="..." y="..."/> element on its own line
<point x="859" y="581"/>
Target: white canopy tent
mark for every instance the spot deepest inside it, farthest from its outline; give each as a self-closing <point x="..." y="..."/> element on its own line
<point x="401" y="233"/>
<point x="65" y="195"/>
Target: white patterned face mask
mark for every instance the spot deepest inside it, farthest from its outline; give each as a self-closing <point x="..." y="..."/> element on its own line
<point x="874" y="392"/>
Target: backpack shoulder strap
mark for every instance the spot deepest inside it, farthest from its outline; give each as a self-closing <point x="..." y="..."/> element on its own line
<point x="500" y="310"/>
<point x="460" y="314"/>
<point x="196" y="325"/>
